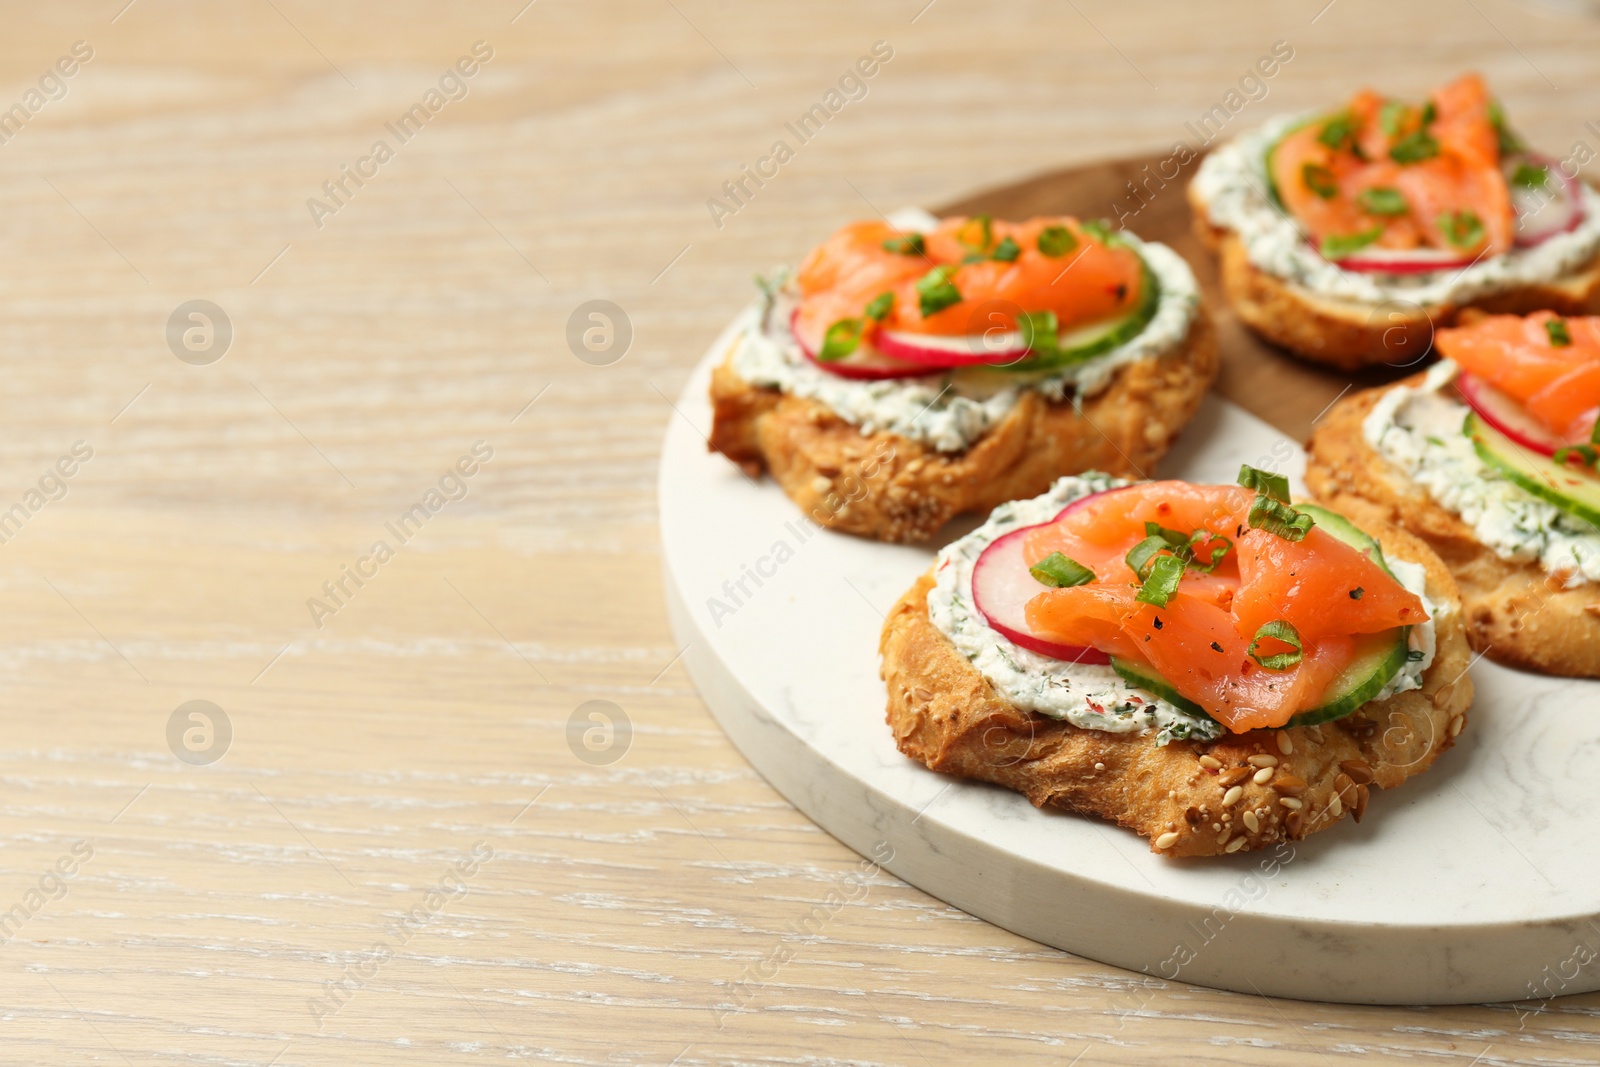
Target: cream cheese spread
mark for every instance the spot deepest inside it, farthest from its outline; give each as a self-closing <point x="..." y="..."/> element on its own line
<point x="1232" y="183"/>
<point x="1419" y="430"/>
<point x="950" y="410"/>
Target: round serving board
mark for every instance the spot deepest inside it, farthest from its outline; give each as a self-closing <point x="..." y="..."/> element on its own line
<point x="1478" y="880"/>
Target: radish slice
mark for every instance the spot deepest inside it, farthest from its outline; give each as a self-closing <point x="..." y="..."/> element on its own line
<point x="1506" y="415"/>
<point x="1543" y="213"/>
<point x="865" y="363"/>
<point x="961" y="350"/>
<point x="1001" y="589"/>
<point x="1403" y="260"/>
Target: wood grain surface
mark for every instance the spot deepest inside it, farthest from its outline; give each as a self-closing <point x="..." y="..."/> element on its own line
<point x="405" y="852"/>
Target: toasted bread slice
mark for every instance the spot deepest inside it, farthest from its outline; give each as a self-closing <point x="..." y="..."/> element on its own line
<point x="1351" y="334"/>
<point x="945" y="714"/>
<point x="1514" y="613"/>
<point x="886" y="486"/>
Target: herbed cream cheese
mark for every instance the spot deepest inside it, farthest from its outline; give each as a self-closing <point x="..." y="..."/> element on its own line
<point x="1420" y="431"/>
<point x="1093" y="696"/>
<point x="1232" y="182"/>
<point x="950" y="410"/>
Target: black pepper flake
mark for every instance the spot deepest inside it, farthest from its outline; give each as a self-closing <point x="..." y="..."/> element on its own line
<point x="1158" y="622"/>
<point x="1216" y="647"/>
<point x="1355" y="594"/>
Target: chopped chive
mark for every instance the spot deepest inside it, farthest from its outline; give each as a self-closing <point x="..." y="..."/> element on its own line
<point x="1165" y="573"/>
<point x="1006" y="251"/>
<point x="1463" y="229"/>
<point x="1266" y="483"/>
<point x="1279" y="519"/>
<point x="1392" y="117"/>
<point x="935" y="291"/>
<point x="1560" y="336"/>
<point x="1099" y="229"/>
<point x="1278" y="630"/>
<point x="1340" y="245"/>
<point x="842" y="338"/>
<point x="1220" y="546"/>
<point x="1139" y="557"/>
<point x="879" y="307"/>
<point x="1531" y="177"/>
<point x="1175" y="538"/>
<point x="1061" y="572"/>
<point x="1430" y="111"/>
<point x="1339" y="133"/>
<point x="910" y="244"/>
<point x="1414" y="147"/>
<point x="1056" y="241"/>
<point x="1319" y="180"/>
<point x="1381" y="200"/>
<point x="1509" y="142"/>
<point x="1587" y="455"/>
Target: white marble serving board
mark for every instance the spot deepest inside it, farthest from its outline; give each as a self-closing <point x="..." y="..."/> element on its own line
<point x="1478" y="880"/>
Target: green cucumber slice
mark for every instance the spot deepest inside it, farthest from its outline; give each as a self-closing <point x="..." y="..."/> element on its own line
<point x="1086" y="342"/>
<point x="1574" y="491"/>
<point x="1378" y="657"/>
<point x="1266" y="158"/>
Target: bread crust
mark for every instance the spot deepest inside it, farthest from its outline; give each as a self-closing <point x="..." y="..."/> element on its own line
<point x="945" y="714"/>
<point x="886" y="486"/>
<point x="1351" y="334"/>
<point x="1514" y="613"/>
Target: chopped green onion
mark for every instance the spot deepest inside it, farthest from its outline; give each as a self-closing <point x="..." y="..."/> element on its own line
<point x="1041" y="331"/>
<point x="1060" y="571"/>
<point x="879" y="307"/>
<point x="1392" y="117"/>
<point x="1006" y="251"/>
<point x="1319" y="180"/>
<point x="1203" y="538"/>
<point x="1279" y="519"/>
<point x="1139" y="557"/>
<point x="1560" y="336"/>
<point x="1175" y="538"/>
<point x="1099" y="229"/>
<point x="1509" y="142"/>
<point x="841" y="339"/>
<point x="1266" y="483"/>
<point x="911" y="244"/>
<point x="1587" y="455"/>
<point x="1430" y="111"/>
<point x="1165" y="573"/>
<point x="1381" y="200"/>
<point x="1414" y="147"/>
<point x="1463" y="229"/>
<point x="1056" y="241"/>
<point x="1531" y="177"/>
<point x="1340" y="132"/>
<point x="935" y="291"/>
<point x="1278" y="630"/>
<point x="1339" y="245"/>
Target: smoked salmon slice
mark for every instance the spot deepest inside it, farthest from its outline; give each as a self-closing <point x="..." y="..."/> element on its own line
<point x="1548" y="363"/>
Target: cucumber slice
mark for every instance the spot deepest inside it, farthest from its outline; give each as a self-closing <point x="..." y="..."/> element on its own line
<point x="1571" y="489"/>
<point x="1378" y="657"/>
<point x="1266" y="158"/>
<point x="1086" y="342"/>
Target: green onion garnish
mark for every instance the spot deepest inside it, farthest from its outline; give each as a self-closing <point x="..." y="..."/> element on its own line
<point x="1006" y="251"/>
<point x="1339" y="132"/>
<point x="1278" y="630"/>
<point x="1320" y="180"/>
<point x="1139" y="557"/>
<point x="1531" y="177"/>
<point x="910" y="244"/>
<point x="1430" y="111"/>
<point x="1392" y="117"/>
<point x="880" y="306"/>
<point x="842" y="338"/>
<point x="1165" y="573"/>
<point x="1560" y="336"/>
<point x="1056" y="241"/>
<point x="1099" y="229"/>
<point x="1175" y="538"/>
<point x="1509" y="142"/>
<point x="1339" y="245"/>
<point x="1060" y="571"/>
<point x="1414" y="147"/>
<point x="1220" y="547"/>
<point x="1381" y="200"/>
<point x="1463" y="229"/>
<point x="1279" y="519"/>
<point x="935" y="291"/>
<point x="1266" y="483"/>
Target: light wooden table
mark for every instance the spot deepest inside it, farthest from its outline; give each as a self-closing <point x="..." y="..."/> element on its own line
<point x="249" y="910"/>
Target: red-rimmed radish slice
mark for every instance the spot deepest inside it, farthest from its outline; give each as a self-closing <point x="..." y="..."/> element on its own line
<point x="1506" y="415"/>
<point x="962" y="350"/>
<point x="1001" y="589"/>
<point x="1403" y="260"/>
<point x="865" y="363"/>
<point x="1557" y="207"/>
